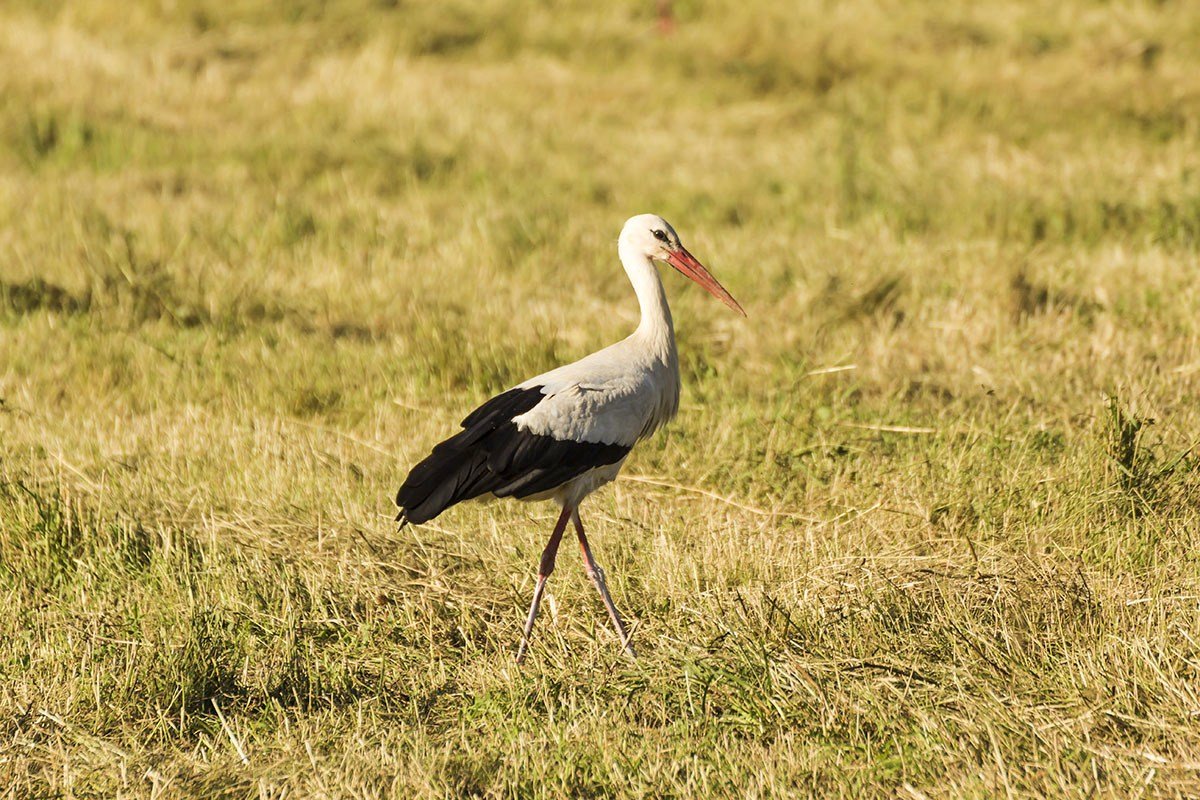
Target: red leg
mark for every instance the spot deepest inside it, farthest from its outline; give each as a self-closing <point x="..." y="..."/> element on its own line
<point x="597" y="575"/>
<point x="544" y="570"/>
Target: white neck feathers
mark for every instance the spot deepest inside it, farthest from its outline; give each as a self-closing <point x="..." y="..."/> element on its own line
<point x="656" y="328"/>
<point x="654" y="339"/>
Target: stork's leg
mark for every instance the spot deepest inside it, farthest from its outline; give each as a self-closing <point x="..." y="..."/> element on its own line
<point x="597" y="575"/>
<point x="544" y="570"/>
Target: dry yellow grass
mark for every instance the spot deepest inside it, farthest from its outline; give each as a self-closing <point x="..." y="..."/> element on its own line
<point x="925" y="527"/>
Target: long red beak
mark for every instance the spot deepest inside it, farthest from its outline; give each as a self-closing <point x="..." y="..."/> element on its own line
<point x="686" y="263"/>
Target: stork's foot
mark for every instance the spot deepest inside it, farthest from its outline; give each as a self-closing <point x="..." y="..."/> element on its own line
<point x="533" y="609"/>
<point x="597" y="576"/>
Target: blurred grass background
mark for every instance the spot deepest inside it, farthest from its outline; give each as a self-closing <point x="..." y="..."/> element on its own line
<point x="926" y="525"/>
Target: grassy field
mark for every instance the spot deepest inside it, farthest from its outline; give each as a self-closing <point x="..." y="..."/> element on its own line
<point x="927" y="526"/>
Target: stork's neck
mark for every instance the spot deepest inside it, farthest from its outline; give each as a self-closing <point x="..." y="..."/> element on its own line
<point x="656" y="329"/>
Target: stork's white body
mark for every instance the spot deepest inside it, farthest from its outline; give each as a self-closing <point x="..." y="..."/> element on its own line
<point x="617" y="395"/>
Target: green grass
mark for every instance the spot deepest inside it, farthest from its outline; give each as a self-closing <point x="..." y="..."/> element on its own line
<point x="255" y="259"/>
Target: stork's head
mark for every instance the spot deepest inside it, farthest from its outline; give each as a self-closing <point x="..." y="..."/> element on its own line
<point x="652" y="236"/>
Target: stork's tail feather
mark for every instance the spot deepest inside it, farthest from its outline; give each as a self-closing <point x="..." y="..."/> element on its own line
<point x="456" y="470"/>
<point x="449" y="475"/>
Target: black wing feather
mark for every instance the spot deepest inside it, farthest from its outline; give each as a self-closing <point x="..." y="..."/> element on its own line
<point x="492" y="456"/>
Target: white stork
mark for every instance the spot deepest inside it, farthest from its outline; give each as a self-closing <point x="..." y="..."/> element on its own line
<point x="564" y="434"/>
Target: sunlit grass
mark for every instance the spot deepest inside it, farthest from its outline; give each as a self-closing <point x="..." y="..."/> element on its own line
<point x="925" y="526"/>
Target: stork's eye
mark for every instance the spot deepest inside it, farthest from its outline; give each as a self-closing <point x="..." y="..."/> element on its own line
<point x="661" y="236"/>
